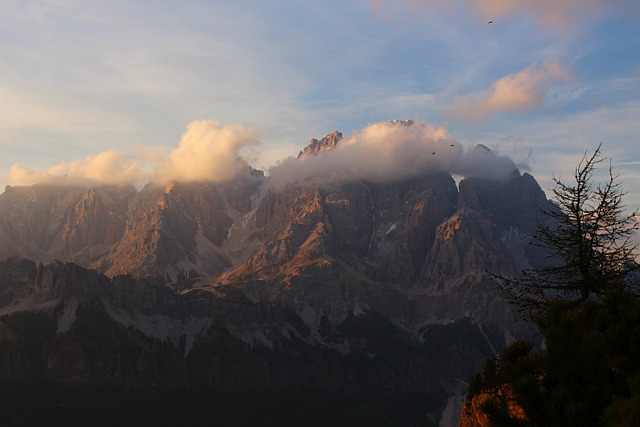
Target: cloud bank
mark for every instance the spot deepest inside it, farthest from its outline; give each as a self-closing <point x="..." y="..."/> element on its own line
<point x="518" y="92"/>
<point x="390" y="151"/>
<point x="207" y="151"/>
<point x="106" y="168"/>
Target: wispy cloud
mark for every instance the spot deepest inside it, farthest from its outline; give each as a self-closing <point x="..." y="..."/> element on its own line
<point x="513" y="93"/>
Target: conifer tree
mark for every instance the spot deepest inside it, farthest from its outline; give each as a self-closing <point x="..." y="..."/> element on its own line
<point x="589" y="239"/>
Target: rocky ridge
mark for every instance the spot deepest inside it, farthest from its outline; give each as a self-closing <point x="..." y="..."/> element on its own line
<point x="69" y="223"/>
<point x="315" y="146"/>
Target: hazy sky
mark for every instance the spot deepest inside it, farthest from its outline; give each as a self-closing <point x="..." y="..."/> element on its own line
<point x="120" y="91"/>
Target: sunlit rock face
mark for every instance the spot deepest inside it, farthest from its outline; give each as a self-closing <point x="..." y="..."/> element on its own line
<point x="348" y="244"/>
<point x="183" y="229"/>
<point x="327" y="143"/>
<point x="505" y="401"/>
<point x="395" y="273"/>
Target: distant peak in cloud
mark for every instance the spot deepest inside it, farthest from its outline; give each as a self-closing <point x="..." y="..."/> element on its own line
<point x="390" y="151"/>
<point x="522" y="91"/>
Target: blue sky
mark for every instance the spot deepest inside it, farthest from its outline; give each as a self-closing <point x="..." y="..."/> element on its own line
<point x="113" y="86"/>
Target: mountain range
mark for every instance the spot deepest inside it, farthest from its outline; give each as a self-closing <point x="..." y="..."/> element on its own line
<point x="333" y="284"/>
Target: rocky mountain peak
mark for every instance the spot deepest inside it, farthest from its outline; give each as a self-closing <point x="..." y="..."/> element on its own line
<point x="329" y="142"/>
<point x="481" y="148"/>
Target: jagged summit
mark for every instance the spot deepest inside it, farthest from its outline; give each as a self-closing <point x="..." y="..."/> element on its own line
<point x="329" y="142"/>
<point x="481" y="148"/>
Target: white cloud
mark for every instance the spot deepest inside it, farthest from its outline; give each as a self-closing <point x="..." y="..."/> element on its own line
<point x="390" y="151"/>
<point x="108" y="167"/>
<point x="208" y="151"/>
<point x="522" y="91"/>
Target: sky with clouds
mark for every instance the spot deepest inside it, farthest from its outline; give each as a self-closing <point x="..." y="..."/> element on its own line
<point x="132" y="91"/>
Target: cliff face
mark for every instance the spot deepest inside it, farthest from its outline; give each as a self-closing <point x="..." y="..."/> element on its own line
<point x="184" y="229"/>
<point x="328" y="251"/>
<point x="490" y="231"/>
<point x="163" y="230"/>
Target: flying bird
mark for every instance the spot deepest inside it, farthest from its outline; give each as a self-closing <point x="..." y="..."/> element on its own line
<point x="434" y="153"/>
<point x="490" y="22"/>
